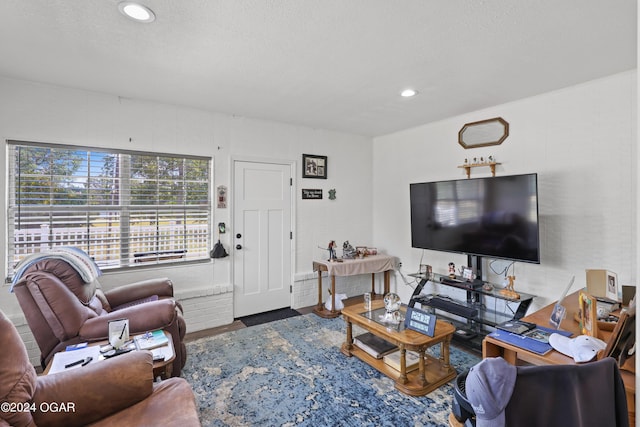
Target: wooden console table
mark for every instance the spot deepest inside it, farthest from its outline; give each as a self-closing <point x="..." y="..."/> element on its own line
<point x="351" y="267"/>
<point x="431" y="374"/>
<point x="492" y="347"/>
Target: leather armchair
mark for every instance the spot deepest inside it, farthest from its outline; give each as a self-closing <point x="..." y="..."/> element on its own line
<point x="61" y="309"/>
<point x="115" y="392"/>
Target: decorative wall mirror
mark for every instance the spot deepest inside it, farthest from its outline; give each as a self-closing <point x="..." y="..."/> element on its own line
<point x="483" y="133"/>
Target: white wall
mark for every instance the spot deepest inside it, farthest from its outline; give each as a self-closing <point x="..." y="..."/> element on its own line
<point x="582" y="143"/>
<point x="39" y="112"/>
<point x="580" y="140"/>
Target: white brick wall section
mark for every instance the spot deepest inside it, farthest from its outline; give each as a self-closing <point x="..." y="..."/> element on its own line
<point x="208" y="307"/>
<point x="206" y="312"/>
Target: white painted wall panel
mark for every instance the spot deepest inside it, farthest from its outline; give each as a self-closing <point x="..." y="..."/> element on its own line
<point x="38" y="112"/>
<point x="580" y="140"/>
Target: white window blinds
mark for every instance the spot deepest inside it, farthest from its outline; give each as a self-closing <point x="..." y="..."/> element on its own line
<point x="124" y="209"/>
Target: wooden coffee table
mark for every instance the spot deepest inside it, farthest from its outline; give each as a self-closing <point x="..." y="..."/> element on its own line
<point x="432" y="372"/>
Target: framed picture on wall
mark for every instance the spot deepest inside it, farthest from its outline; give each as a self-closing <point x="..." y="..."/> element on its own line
<point x="314" y="166"/>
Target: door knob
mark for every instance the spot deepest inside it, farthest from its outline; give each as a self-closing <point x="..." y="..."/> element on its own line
<point x="238" y="246"/>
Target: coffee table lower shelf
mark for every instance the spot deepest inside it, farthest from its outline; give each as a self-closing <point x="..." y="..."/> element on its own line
<point x="436" y="372"/>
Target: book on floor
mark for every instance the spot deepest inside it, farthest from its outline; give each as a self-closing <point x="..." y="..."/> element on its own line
<point x="412" y="360"/>
<point x="374" y="345"/>
<point x="151" y="340"/>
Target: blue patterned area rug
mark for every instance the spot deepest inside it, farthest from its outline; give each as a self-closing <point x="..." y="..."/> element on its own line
<point x="291" y="373"/>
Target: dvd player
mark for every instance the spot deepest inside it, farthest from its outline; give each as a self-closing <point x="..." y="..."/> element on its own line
<point x="451" y="307"/>
<point x="461" y="283"/>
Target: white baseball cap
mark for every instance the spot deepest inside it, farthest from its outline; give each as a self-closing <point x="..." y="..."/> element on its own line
<point x="582" y="348"/>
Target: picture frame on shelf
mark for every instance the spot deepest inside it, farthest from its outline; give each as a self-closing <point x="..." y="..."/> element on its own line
<point x="426" y="269"/>
<point x="613" y="288"/>
<point x="314" y="166"/>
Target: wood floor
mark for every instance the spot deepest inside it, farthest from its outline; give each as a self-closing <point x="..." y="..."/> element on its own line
<point x="235" y="325"/>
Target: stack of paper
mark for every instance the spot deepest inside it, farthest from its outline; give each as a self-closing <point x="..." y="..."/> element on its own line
<point x="64" y="358"/>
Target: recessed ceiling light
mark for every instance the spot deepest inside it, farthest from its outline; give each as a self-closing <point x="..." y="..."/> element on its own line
<point x="136" y="11"/>
<point x="408" y="93"/>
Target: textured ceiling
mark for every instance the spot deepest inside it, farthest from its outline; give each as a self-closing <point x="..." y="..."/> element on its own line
<point x="331" y="64"/>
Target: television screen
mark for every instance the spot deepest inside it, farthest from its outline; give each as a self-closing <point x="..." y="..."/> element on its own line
<point x="496" y="217"/>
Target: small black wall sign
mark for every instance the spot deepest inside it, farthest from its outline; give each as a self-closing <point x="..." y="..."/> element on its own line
<point x="314" y="193"/>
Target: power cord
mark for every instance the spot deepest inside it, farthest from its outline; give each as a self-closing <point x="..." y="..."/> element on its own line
<point x="404" y="279"/>
<point x="504" y="270"/>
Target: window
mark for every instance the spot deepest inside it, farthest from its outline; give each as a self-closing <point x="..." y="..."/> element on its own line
<point x="125" y="209"/>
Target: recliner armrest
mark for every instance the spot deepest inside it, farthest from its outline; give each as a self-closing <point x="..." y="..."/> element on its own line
<point x="134" y="291"/>
<point x="94" y="391"/>
<point x="142" y="318"/>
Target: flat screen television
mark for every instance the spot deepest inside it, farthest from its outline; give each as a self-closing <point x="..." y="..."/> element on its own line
<point x="495" y="217"/>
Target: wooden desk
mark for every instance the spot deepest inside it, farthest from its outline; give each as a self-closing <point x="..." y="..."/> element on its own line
<point x="351" y="267"/>
<point x="431" y="374"/>
<point x="492" y="347"/>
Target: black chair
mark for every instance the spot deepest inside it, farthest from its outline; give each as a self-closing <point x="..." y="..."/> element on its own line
<point x="590" y="394"/>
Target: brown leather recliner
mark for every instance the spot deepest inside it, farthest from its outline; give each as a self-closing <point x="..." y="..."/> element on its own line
<point x="61" y="309"/>
<point x="115" y="392"/>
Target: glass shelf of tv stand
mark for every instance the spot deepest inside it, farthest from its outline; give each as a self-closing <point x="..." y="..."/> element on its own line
<point x="485" y="316"/>
<point x="470" y="331"/>
<point x="458" y="282"/>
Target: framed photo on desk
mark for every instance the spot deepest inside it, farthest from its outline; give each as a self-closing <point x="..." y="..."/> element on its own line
<point x="613" y="290"/>
<point x="588" y="314"/>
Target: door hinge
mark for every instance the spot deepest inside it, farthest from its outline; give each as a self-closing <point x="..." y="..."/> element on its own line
<point x="291" y="235"/>
<point x="291" y="182"/>
<point x="290" y="289"/>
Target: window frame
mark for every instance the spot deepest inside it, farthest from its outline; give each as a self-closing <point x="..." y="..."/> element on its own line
<point x="200" y="212"/>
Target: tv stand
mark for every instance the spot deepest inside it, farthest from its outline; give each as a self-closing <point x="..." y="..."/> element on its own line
<point x="473" y="316"/>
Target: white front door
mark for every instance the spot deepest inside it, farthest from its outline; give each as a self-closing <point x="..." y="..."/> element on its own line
<point x="262" y="275"/>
